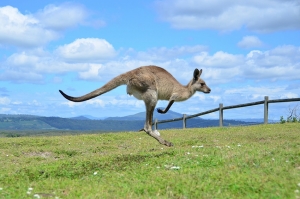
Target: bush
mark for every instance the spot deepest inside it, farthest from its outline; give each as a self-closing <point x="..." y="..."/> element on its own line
<point x="13" y="135"/>
<point x="282" y="120"/>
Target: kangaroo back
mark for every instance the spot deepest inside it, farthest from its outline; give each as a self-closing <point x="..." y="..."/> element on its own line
<point x="115" y="82"/>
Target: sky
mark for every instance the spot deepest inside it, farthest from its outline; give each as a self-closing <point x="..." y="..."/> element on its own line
<point x="247" y="50"/>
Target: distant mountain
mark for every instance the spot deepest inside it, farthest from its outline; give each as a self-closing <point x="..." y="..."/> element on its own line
<point x="93" y="118"/>
<point x="81" y="123"/>
<point x="142" y="115"/>
<point x="79" y="118"/>
<point x="87" y="117"/>
<point x="257" y="120"/>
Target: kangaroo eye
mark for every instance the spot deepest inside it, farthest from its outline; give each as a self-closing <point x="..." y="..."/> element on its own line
<point x="202" y="84"/>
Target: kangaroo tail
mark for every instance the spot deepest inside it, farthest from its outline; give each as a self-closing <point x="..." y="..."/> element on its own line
<point x="117" y="81"/>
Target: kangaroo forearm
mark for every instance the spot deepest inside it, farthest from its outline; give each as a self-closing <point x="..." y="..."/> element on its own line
<point x="167" y="108"/>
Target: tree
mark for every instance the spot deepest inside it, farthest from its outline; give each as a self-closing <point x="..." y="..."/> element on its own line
<point x="293" y="115"/>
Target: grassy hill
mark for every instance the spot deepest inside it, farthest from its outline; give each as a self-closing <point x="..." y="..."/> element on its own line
<point x="260" y="161"/>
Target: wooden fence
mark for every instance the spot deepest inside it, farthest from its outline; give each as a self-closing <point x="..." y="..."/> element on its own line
<point x="221" y="108"/>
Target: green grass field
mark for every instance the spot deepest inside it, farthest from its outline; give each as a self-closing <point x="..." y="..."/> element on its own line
<point x="237" y="162"/>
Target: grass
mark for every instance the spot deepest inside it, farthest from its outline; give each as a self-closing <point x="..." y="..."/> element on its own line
<point x="237" y="162"/>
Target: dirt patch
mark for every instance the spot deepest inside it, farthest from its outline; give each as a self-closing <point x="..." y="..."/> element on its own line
<point x="39" y="154"/>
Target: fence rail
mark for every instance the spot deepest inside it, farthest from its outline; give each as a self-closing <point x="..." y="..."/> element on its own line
<point x="221" y="108"/>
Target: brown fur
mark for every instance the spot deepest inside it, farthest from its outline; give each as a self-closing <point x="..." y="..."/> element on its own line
<point x="150" y="84"/>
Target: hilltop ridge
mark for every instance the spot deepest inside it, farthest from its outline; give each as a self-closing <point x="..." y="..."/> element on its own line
<point x="127" y="123"/>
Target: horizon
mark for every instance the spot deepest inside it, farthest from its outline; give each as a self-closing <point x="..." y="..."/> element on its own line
<point x="247" y="50"/>
<point x="90" y="117"/>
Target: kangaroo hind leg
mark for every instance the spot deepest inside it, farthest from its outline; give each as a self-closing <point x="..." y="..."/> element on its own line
<point x="150" y="106"/>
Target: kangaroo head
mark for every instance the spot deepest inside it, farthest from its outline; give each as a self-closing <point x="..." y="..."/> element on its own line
<point x="199" y="84"/>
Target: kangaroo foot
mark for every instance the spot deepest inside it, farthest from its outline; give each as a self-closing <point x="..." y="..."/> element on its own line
<point x="164" y="142"/>
<point x="169" y="144"/>
<point x="160" y="139"/>
<point x="156" y="135"/>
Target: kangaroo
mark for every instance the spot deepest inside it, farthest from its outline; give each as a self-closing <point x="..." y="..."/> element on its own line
<point x="150" y="84"/>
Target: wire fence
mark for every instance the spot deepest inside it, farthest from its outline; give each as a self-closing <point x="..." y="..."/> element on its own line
<point x="221" y="109"/>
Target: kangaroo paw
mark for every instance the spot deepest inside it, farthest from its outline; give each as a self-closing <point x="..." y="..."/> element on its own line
<point x="160" y="111"/>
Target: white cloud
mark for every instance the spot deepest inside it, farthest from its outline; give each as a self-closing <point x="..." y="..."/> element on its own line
<point x="216" y="76"/>
<point x="106" y="102"/>
<point x="91" y="73"/>
<point x="292" y="52"/>
<point x="22" y="30"/>
<point x="228" y="15"/>
<point x="220" y="59"/>
<point x="97" y="102"/>
<point x="31" y="66"/>
<point x="220" y="67"/>
<point x="4" y="100"/>
<point x="280" y="63"/>
<point x="111" y="69"/>
<point x="35" y="103"/>
<point x="259" y="91"/>
<point x="163" y="53"/>
<point x="37" y="29"/>
<point x="23" y="59"/>
<point x="289" y="95"/>
<point x="215" y="98"/>
<point x="17" y="103"/>
<point x="115" y="101"/>
<point x="21" y="76"/>
<point x="61" y="17"/>
<point x="3" y="110"/>
<point x="87" y="50"/>
<point x="71" y="104"/>
<point x="256" y="92"/>
<point x="200" y="96"/>
<point x="250" y="42"/>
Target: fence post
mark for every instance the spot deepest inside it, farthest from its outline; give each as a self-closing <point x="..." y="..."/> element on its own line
<point x="266" y="109"/>
<point x="184" y="121"/>
<point x="221" y="114"/>
<point x="155" y="124"/>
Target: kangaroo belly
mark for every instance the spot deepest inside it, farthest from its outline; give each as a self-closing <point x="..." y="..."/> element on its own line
<point x="132" y="91"/>
<point x="164" y="93"/>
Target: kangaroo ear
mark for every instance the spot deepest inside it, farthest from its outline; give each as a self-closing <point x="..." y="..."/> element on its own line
<point x="200" y="72"/>
<point x="197" y="74"/>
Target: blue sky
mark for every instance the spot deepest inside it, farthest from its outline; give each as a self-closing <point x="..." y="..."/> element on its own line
<point x="247" y="50"/>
